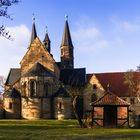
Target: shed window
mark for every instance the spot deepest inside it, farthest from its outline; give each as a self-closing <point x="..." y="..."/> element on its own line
<point x="32" y="88"/>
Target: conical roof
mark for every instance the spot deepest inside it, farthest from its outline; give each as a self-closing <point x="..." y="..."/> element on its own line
<point x="34" y="33"/>
<point x="46" y="39"/>
<point x="66" y="39"/>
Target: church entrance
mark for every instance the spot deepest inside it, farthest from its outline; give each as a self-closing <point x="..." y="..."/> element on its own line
<point x="110" y="116"/>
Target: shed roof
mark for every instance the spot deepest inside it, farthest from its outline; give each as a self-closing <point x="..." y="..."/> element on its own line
<point x="110" y="99"/>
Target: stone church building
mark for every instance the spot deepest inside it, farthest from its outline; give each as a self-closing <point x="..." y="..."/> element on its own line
<point x="37" y="90"/>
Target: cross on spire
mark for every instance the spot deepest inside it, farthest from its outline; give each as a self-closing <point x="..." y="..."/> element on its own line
<point x="33" y="18"/>
<point x="66" y="17"/>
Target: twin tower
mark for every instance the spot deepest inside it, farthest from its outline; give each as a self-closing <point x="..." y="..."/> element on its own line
<point x="66" y="48"/>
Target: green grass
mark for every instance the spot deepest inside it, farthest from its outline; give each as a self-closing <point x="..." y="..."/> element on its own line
<point x="53" y="130"/>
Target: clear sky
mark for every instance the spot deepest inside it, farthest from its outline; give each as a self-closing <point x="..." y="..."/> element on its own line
<point x="105" y="33"/>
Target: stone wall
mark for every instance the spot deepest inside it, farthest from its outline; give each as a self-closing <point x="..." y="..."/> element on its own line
<point x="63" y="108"/>
<point x="12" y="108"/>
<point x="36" y="108"/>
<point x="89" y="91"/>
<point x="40" y="81"/>
<point x="37" y="53"/>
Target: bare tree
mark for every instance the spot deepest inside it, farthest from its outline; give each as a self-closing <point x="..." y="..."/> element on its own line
<point x="1" y="87"/>
<point x="4" y="5"/>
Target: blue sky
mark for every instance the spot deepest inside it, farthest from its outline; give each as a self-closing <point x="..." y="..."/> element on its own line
<point x="105" y="33"/>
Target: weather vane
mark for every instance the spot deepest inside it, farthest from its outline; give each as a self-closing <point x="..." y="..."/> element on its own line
<point x="46" y="29"/>
<point x="66" y="17"/>
<point x="33" y="18"/>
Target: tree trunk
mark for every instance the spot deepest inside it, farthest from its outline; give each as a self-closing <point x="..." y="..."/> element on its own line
<point x="82" y="125"/>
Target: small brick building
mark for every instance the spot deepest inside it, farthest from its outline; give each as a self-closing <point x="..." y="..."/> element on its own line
<point x="110" y="111"/>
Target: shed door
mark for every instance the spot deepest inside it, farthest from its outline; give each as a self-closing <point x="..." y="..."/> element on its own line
<point x="110" y="116"/>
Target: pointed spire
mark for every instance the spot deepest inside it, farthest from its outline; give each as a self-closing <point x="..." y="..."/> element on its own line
<point x="34" y="33"/>
<point x="47" y="41"/>
<point x="67" y="59"/>
<point x="66" y="39"/>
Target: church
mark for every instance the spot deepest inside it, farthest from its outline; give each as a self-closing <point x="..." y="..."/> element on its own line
<point x="37" y="90"/>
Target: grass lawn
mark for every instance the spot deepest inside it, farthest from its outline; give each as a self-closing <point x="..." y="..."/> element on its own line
<point x="61" y="130"/>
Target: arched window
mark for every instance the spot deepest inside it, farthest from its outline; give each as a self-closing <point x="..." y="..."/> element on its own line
<point x="46" y="89"/>
<point x="32" y="88"/>
<point x="93" y="98"/>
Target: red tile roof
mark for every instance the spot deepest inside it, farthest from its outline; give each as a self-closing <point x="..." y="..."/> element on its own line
<point x="115" y="82"/>
<point x="110" y="99"/>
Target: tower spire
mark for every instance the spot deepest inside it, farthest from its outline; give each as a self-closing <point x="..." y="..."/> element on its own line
<point x="66" y="39"/>
<point x="67" y="59"/>
<point x="47" y="41"/>
<point x="34" y="33"/>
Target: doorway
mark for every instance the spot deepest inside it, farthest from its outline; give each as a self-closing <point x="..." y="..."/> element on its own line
<point x="110" y="116"/>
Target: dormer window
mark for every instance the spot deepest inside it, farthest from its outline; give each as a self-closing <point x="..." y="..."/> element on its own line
<point x="32" y="88"/>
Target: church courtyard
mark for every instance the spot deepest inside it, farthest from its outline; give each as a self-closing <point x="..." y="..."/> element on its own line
<point x="60" y="130"/>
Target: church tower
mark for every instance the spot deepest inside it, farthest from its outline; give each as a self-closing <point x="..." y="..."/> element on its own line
<point x="47" y="42"/>
<point x="67" y="59"/>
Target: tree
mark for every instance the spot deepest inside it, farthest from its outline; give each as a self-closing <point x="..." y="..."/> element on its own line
<point x="76" y="94"/>
<point x="132" y="83"/>
<point x="4" y="5"/>
<point x="1" y="88"/>
<point x="138" y="68"/>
